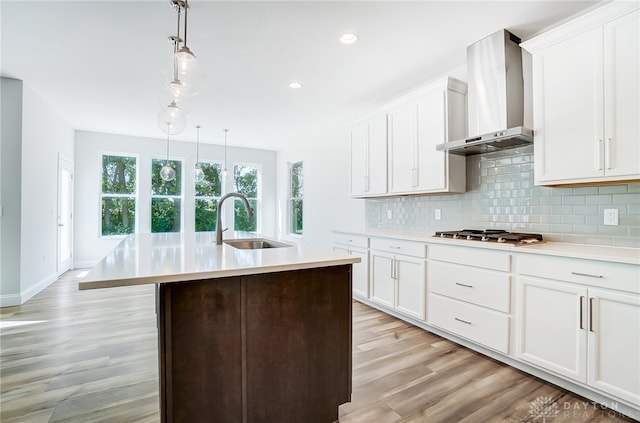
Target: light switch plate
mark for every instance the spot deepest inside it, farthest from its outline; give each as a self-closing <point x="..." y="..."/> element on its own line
<point x="389" y="214"/>
<point x="611" y="217"/>
<point x="438" y="214"/>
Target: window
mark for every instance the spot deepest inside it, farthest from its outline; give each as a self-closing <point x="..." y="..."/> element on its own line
<point x="208" y="193"/>
<point x="166" y="198"/>
<point x="119" y="194"/>
<point x="295" y="198"/>
<point x="246" y="180"/>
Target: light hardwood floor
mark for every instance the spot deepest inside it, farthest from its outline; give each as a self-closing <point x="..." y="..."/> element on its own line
<point x="91" y="356"/>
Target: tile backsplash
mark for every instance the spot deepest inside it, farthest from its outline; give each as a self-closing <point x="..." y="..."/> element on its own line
<point x="501" y="194"/>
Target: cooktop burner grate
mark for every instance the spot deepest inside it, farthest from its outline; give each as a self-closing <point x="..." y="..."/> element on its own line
<point x="492" y="235"/>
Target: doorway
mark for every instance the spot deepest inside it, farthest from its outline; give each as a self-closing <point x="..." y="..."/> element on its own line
<point x="65" y="214"/>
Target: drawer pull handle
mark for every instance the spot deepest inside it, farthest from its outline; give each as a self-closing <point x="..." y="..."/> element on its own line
<point x="587" y="274"/>
<point x="462" y="321"/>
<point x="395" y="247"/>
<point x="465" y="285"/>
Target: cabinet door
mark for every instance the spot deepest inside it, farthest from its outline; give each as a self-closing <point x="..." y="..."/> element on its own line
<point x="361" y="273"/>
<point x="622" y="96"/>
<point x="614" y="343"/>
<point x="382" y="281"/>
<point x="410" y="286"/>
<point x="568" y="109"/>
<point x="402" y="148"/>
<point x="552" y="326"/>
<point x="359" y="164"/>
<point x="432" y="124"/>
<point x="378" y="155"/>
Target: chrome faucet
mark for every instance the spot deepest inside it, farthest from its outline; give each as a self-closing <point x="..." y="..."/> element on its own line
<point x="219" y="220"/>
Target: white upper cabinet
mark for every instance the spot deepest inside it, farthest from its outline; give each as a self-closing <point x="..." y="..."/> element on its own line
<point x="417" y="123"/>
<point x="394" y="152"/>
<point x="586" y="98"/>
<point x="369" y="157"/>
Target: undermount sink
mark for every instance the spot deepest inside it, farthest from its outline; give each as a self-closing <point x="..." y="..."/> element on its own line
<point x="254" y="243"/>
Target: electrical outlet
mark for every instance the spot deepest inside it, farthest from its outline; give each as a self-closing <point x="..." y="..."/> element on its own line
<point x="611" y="217"/>
<point x="389" y="214"/>
<point x="438" y="214"/>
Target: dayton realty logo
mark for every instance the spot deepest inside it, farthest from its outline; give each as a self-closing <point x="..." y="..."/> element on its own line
<point x="544" y="407"/>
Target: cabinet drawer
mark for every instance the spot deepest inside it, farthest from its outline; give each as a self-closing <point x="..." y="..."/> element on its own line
<point x="352" y="240"/>
<point x="477" y="324"/>
<point x="478" y="257"/>
<point x="482" y="287"/>
<point x="621" y="276"/>
<point x="398" y="246"/>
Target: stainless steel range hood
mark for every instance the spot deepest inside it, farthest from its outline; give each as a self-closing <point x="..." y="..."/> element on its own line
<point x="495" y="99"/>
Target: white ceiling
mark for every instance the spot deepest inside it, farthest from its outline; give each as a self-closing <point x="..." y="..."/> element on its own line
<point x="101" y="63"/>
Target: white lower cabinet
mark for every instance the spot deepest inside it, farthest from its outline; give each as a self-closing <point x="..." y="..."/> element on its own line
<point x="586" y="333"/>
<point x="398" y="280"/>
<point x="356" y="246"/>
<point x="470" y="294"/>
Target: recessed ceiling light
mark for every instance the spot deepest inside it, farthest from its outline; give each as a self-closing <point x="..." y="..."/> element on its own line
<point x="348" y="38"/>
<point x="295" y="85"/>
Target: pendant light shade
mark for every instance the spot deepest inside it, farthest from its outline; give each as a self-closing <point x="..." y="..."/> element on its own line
<point x="171" y="119"/>
<point x="197" y="173"/>
<point x="185" y="55"/>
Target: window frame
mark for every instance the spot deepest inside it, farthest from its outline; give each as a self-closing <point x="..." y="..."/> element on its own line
<point x="197" y="197"/>
<point x="181" y="196"/>
<point x="135" y="195"/>
<point x="258" y="199"/>
<point x="291" y="199"/>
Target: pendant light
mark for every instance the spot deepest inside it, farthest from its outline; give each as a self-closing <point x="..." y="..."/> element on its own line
<point x="198" y="174"/>
<point x="224" y="170"/>
<point x="167" y="173"/>
<point x="185" y="56"/>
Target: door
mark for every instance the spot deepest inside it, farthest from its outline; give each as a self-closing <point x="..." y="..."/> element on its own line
<point x="402" y="148"/>
<point x="382" y="278"/>
<point x="622" y="102"/>
<point x="614" y="343"/>
<point x="65" y="214"/>
<point x="410" y="282"/>
<point x="552" y="331"/>
<point x="568" y="109"/>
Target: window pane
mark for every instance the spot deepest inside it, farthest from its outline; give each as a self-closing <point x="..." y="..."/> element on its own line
<point x="118" y="215"/>
<point x="211" y="185"/>
<point x="246" y="180"/>
<point x="118" y="175"/>
<point x="160" y="187"/>
<point x="206" y="215"/>
<point x="165" y="215"/>
<point x="242" y="221"/>
<point x="296" y="217"/>
<point x="296" y="180"/>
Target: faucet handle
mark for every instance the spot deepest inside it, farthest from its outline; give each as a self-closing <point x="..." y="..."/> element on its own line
<point x="225" y="229"/>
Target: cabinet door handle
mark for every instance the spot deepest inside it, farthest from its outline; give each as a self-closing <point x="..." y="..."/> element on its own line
<point x="393" y="269"/>
<point x="395" y="247"/>
<point x="462" y="321"/>
<point x="465" y="285"/>
<point x="581" y="308"/>
<point x="607" y="153"/>
<point x="591" y="314"/>
<point x="587" y="274"/>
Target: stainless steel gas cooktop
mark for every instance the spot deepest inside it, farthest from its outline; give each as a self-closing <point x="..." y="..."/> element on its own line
<point x="492" y="235"/>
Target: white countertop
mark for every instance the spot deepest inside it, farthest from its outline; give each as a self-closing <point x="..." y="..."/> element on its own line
<point x="172" y="257"/>
<point x="582" y="251"/>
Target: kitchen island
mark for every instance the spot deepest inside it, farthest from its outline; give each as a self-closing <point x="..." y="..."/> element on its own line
<point x="244" y="335"/>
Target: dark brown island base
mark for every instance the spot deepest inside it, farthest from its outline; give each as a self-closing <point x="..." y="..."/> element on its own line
<point x="273" y="347"/>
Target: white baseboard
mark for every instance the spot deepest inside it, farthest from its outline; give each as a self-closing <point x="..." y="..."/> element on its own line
<point x="34" y="289"/>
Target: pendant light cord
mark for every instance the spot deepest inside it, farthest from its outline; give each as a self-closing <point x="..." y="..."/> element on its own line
<point x="197" y="144"/>
<point x="225" y="148"/>
<point x="167" y="162"/>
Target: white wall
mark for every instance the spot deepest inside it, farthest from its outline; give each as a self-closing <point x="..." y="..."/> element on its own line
<point x="91" y="247"/>
<point x="44" y="137"/>
<point x="10" y="163"/>
<point x="327" y="203"/>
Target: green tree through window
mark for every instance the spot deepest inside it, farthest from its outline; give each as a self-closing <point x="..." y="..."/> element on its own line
<point x="296" y="193"/>
<point x="166" y="198"/>
<point x="119" y="194"/>
<point x="208" y="193"/>
<point x="246" y="180"/>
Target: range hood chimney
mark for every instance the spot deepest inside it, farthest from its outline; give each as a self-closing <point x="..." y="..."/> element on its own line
<point x="495" y="99"/>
